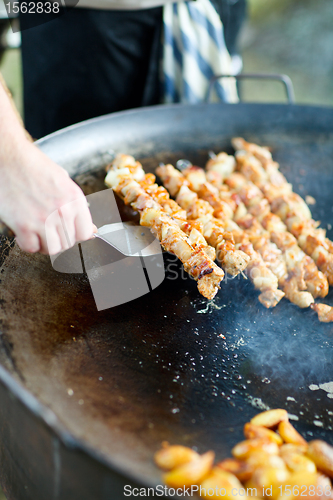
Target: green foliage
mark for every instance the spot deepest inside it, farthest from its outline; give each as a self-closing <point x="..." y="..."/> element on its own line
<point x="260" y="9"/>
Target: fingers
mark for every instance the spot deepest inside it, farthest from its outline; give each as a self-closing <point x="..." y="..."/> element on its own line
<point x="64" y="227"/>
<point x="35" y="187"/>
<point x="29" y="242"/>
<point x="51" y="242"/>
<point x="54" y="236"/>
<point x="72" y="222"/>
<point x="84" y="227"/>
<point x="77" y="222"/>
<point x="68" y="231"/>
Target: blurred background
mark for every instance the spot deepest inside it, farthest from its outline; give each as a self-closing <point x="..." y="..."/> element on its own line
<point x="294" y="37"/>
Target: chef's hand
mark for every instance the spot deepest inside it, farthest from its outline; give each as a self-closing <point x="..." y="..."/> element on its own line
<point x="32" y="187"/>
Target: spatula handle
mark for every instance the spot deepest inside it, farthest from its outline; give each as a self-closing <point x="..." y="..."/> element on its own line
<point x="5" y="230"/>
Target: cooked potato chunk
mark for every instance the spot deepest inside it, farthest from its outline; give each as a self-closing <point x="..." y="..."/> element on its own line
<point x="322" y="455"/>
<point x="190" y="473"/>
<point x="170" y="457"/>
<point x="289" y="434"/>
<point x="270" y="418"/>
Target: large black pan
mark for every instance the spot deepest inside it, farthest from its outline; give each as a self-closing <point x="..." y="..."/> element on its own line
<point x="86" y="397"/>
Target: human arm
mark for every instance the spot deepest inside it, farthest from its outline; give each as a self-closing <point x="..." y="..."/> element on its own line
<point x="32" y="187"/>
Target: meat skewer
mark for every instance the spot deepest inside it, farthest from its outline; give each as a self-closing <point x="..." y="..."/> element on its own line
<point x="297" y="263"/>
<point x="296" y="272"/>
<point x="248" y="212"/>
<point x="172" y="238"/>
<point x="302" y="271"/>
<point x="261" y="276"/>
<point x="288" y="278"/>
<point x="161" y="196"/>
<point x="257" y="165"/>
<point x="232" y="260"/>
<point x="193" y="229"/>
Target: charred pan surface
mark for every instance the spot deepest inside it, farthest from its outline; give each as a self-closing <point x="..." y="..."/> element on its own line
<point x="62" y="344"/>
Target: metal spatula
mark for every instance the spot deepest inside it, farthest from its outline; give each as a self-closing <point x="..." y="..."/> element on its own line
<point x="129" y="239"/>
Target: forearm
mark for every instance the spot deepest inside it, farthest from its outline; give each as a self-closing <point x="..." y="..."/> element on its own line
<point x="32" y="187"/>
<point x="13" y="137"/>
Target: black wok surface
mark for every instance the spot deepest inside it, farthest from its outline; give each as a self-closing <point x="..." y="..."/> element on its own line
<point x="168" y="366"/>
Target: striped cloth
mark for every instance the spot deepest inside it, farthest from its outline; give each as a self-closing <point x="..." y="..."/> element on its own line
<point x="194" y="51"/>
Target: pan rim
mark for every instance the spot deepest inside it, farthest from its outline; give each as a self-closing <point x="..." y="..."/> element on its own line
<point x="147" y="109"/>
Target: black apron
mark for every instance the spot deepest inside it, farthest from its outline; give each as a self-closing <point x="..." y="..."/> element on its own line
<point x="88" y="62"/>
